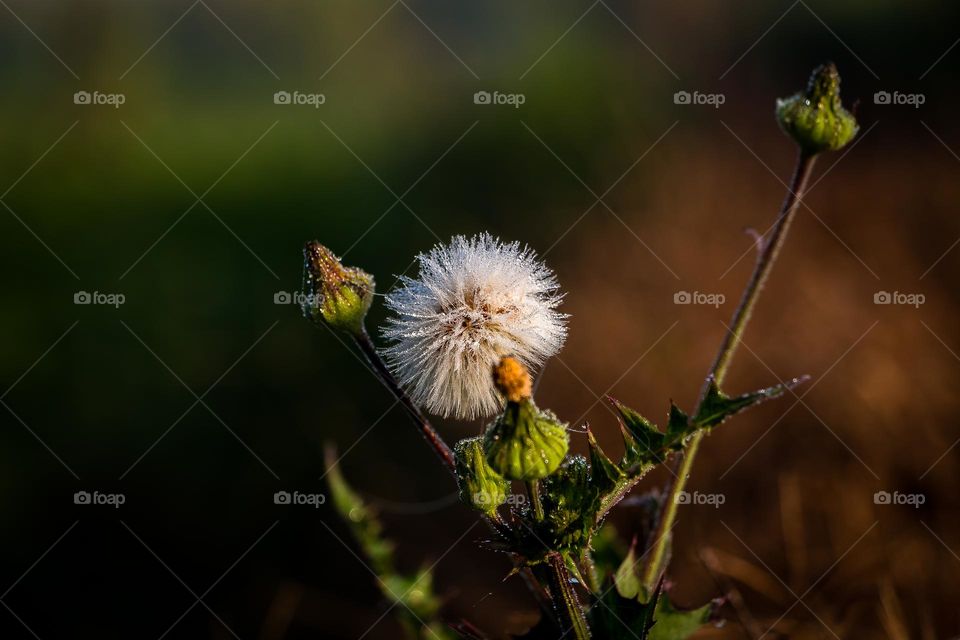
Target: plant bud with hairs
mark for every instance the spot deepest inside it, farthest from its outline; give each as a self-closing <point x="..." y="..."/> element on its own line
<point x="480" y="486"/>
<point x="336" y="295"/>
<point x="816" y="119"/>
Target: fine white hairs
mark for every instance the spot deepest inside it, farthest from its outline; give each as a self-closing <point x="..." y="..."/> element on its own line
<point x="475" y="301"/>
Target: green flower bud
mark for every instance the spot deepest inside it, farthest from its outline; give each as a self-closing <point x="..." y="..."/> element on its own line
<point x="337" y="295"/>
<point x="480" y="486"/>
<point x="816" y="119"/>
<point x="524" y="443"/>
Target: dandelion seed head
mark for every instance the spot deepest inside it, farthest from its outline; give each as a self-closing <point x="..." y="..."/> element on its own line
<point x="475" y="301"/>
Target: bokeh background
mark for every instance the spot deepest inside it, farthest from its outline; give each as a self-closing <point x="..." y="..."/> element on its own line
<point x="200" y="397"/>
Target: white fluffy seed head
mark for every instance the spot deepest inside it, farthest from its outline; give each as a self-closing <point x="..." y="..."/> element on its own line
<point x="475" y="301"/>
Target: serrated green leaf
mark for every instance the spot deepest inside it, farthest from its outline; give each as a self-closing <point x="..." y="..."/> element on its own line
<point x="674" y="624"/>
<point x="642" y="438"/>
<point x="619" y="618"/>
<point x="603" y="471"/>
<point x="717" y="406"/>
<point x="678" y="425"/>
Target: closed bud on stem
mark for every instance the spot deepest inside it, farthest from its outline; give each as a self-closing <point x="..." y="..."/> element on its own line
<point x="524" y="443"/>
<point x="815" y="118"/>
<point x="336" y="295"/>
<point x="480" y="486"/>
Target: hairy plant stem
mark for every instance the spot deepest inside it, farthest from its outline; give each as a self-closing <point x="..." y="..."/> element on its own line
<point x="769" y="249"/>
<point x="565" y="599"/>
<point x="533" y="488"/>
<point x="380" y="368"/>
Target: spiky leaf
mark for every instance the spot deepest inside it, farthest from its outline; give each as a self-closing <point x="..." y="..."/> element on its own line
<point x="620" y="618"/>
<point x="717" y="406"/>
<point x="644" y="442"/>
<point x="671" y="623"/>
<point x="604" y="471"/>
<point x="678" y="426"/>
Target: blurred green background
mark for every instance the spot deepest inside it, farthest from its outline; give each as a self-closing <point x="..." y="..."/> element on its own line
<point x="200" y="396"/>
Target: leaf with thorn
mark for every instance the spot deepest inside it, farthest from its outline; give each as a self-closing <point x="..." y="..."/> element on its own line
<point x="678" y="426"/>
<point x="621" y="617"/>
<point x="643" y="441"/>
<point x="717" y="406"/>
<point x="671" y="623"/>
<point x="604" y="471"/>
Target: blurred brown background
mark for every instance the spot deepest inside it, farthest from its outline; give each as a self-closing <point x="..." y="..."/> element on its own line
<point x="104" y="199"/>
